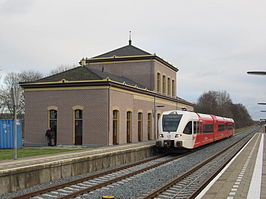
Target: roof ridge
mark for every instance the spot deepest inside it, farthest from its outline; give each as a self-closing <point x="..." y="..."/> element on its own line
<point x="126" y="48"/>
<point x="141" y="49"/>
<point x="65" y="71"/>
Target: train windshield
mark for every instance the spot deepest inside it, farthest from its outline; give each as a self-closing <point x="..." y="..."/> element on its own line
<point x="171" y="122"/>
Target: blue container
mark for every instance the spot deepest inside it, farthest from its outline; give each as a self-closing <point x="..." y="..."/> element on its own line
<point x="7" y="134"/>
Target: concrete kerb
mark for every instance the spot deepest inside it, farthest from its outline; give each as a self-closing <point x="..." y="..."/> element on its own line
<point x="19" y="178"/>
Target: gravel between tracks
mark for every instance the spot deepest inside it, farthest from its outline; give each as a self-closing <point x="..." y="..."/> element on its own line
<point x="145" y="182"/>
<point x="142" y="183"/>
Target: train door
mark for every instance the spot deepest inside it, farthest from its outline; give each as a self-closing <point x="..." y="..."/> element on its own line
<point x="188" y="135"/>
<point x="198" y="134"/>
<point x="195" y="128"/>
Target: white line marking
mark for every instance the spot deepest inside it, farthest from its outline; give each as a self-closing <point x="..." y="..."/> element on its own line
<point x="203" y="192"/>
<point x="255" y="185"/>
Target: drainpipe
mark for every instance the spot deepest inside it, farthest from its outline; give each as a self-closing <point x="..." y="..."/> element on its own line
<point x="108" y="115"/>
<point x="154" y="118"/>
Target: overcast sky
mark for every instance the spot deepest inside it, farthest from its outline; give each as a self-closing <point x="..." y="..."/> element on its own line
<point x="213" y="43"/>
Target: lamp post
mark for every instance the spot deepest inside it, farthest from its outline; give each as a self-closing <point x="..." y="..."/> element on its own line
<point x="256" y="72"/>
<point x="15" y="98"/>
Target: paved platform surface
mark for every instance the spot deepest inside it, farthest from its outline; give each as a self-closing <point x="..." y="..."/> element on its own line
<point x="30" y="161"/>
<point x="244" y="176"/>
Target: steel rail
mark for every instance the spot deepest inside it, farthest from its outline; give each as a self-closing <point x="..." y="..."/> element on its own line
<point x="189" y="172"/>
<point x="103" y="184"/>
<point x="86" y="190"/>
<point x="56" y="187"/>
<point x="208" y="180"/>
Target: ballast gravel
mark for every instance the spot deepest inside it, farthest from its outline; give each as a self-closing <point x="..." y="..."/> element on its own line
<point x="152" y="179"/>
<point x="140" y="184"/>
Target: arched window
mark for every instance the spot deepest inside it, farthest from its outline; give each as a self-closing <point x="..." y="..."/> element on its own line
<point x="129" y="126"/>
<point x="157" y="124"/>
<point x="173" y="88"/>
<point x="52" y="122"/>
<point x="164" y="84"/>
<point x="78" y="126"/>
<point x="140" y="126"/>
<point x="168" y="86"/>
<point x="115" y="126"/>
<point x="158" y="82"/>
<point x="149" y="125"/>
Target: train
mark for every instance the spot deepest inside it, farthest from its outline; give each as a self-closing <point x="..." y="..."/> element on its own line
<point x="189" y="130"/>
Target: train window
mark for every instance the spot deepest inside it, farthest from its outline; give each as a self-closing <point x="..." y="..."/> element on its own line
<point x="200" y="127"/>
<point x="208" y="128"/>
<point x="188" y="128"/>
<point x="195" y="127"/>
<point x="221" y="127"/>
<point x="230" y="126"/>
<point x="171" y="122"/>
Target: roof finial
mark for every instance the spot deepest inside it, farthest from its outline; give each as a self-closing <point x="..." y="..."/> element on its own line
<point x="130" y="41"/>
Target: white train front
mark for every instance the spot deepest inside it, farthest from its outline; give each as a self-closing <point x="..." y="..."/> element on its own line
<point x="183" y="129"/>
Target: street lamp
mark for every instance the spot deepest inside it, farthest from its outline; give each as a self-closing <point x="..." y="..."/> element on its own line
<point x="256" y="72"/>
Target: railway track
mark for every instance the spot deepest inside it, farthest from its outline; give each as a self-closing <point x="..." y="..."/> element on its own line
<point x="125" y="174"/>
<point x="189" y="184"/>
<point x="84" y="185"/>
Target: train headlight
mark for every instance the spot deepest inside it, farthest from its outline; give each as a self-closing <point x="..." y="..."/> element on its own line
<point x="161" y="135"/>
<point x="176" y="135"/>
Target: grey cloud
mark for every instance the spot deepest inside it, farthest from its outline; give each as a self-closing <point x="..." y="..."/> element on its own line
<point x="15" y="7"/>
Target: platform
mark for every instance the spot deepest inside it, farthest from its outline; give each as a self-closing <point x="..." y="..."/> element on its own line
<point x="245" y="175"/>
<point x="27" y="172"/>
<point x="30" y="161"/>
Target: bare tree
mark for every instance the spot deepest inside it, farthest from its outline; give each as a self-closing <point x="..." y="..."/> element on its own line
<point x="219" y="103"/>
<point x="12" y="80"/>
<point x="207" y="103"/>
<point x="62" y="68"/>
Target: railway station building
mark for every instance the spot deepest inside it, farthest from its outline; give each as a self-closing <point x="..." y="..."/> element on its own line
<point x="113" y="98"/>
